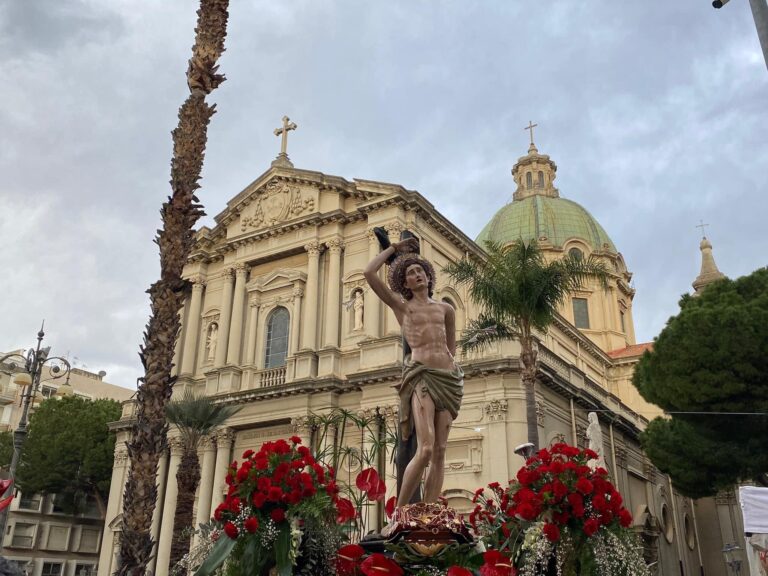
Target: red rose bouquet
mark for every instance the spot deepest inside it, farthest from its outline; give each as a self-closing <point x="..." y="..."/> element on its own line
<point x="278" y="497"/>
<point x="559" y="509"/>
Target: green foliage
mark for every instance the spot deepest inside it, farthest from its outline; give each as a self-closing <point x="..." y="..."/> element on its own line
<point x="69" y="450"/>
<point x="711" y="357"/>
<point x="518" y="290"/>
<point x="196" y="416"/>
<point x="6" y="449"/>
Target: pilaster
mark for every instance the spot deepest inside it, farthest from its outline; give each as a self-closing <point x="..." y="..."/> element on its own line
<point x="224" y="439"/>
<point x="371" y="302"/>
<point x="309" y="337"/>
<point x="225" y="318"/>
<point x="169" y="509"/>
<point x="236" y="323"/>
<point x="192" y="331"/>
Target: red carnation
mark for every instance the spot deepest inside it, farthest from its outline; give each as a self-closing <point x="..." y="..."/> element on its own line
<point x="379" y="565"/>
<point x="258" y="499"/>
<point x="295" y="439"/>
<point x="591" y="526"/>
<point x="275" y="494"/>
<point x="625" y="518"/>
<point x="230" y="530"/>
<point x="278" y="514"/>
<point x="584" y="486"/>
<point x="552" y="532"/>
<point x="251" y="524"/>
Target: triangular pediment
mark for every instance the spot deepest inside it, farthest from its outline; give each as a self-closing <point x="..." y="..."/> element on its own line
<point x="280" y="278"/>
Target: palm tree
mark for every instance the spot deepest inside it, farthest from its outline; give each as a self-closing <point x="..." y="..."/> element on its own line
<point x="519" y="292"/>
<point x="175" y="239"/>
<point x="195" y="416"/>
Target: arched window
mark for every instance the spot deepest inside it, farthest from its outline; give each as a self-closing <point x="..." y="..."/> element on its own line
<point x="277" y="338"/>
<point x="576" y="253"/>
<point x="449" y="302"/>
<point x="541" y="179"/>
<point x="528" y="180"/>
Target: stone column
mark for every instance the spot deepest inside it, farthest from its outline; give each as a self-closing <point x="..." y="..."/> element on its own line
<point x="333" y="297"/>
<point x="253" y="327"/>
<point x="116" y="488"/>
<point x="236" y="324"/>
<point x="169" y="509"/>
<point x="224" y="440"/>
<point x="206" y="482"/>
<point x="298" y="292"/>
<point x="372" y="304"/>
<point x="309" y="337"/>
<point x="224" y="319"/>
<point x="193" y="326"/>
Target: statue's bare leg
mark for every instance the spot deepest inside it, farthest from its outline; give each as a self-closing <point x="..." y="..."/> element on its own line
<point x="434" y="483"/>
<point x="423" y="411"/>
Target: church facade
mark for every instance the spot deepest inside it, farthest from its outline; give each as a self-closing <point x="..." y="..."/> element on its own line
<point x="280" y="320"/>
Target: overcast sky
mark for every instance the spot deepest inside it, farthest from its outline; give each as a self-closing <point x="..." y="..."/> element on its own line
<point x="656" y="114"/>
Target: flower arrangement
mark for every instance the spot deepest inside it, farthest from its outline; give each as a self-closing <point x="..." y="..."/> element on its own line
<point x="282" y="510"/>
<point x="560" y="513"/>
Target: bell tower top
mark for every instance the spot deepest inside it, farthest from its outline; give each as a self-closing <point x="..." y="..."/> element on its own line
<point x="534" y="173"/>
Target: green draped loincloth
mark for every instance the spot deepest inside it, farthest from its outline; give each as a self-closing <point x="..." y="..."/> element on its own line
<point x="445" y="387"/>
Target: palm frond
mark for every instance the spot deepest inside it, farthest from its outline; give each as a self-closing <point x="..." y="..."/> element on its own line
<point x="196" y="415"/>
<point x="483" y="332"/>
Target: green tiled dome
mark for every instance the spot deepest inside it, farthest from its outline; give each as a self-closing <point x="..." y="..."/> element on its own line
<point x="539" y="216"/>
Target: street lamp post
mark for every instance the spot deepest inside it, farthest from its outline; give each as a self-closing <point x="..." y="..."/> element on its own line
<point x="29" y="379"/>
<point x="760" y="14"/>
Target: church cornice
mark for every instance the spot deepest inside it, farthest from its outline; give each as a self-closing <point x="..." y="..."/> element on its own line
<point x="584" y="343"/>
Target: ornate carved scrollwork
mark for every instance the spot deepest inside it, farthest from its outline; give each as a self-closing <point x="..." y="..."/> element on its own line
<point x="496" y="410"/>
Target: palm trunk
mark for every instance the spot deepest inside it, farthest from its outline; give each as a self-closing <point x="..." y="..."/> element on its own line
<point x="175" y="240"/>
<point x="528" y="354"/>
<point x="187" y="478"/>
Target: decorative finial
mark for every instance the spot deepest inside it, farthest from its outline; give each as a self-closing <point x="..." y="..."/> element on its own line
<point x="282" y="158"/>
<point x="530" y="127"/>
<point x="709" y="270"/>
<point x="702" y="226"/>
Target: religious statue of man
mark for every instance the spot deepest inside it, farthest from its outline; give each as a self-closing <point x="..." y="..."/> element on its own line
<point x="213" y="337"/>
<point x="595" y="439"/>
<point x="433" y="384"/>
<point x="358" y="306"/>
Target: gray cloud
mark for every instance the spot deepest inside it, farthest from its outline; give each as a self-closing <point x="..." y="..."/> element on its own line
<point x="655" y="115"/>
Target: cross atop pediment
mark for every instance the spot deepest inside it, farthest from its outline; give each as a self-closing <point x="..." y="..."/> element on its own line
<point x="282" y="158"/>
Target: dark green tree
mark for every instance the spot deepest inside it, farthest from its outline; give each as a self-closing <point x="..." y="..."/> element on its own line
<point x="6" y="449"/>
<point x="69" y="450"/>
<point x="519" y="292"/>
<point x="709" y="371"/>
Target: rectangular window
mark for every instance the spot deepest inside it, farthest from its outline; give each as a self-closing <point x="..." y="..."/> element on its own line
<point x="23" y="535"/>
<point x="84" y="570"/>
<point x="580" y="313"/>
<point x="58" y="538"/>
<point x="51" y="569"/>
<point x="31" y="502"/>
<point x="89" y="540"/>
<point x="621" y="317"/>
<point x="48" y="391"/>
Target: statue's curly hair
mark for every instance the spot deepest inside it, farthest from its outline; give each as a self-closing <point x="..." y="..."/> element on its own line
<point x="397" y="274"/>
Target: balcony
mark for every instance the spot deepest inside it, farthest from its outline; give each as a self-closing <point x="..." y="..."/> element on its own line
<point x="271" y="377"/>
<point x="7" y="395"/>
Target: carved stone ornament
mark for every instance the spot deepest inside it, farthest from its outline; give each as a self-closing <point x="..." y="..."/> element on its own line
<point x="581" y="436"/>
<point x="496" y="410"/>
<point x="301" y="424"/>
<point x="725" y="498"/>
<point x="540" y="413"/>
<point x="277" y="202"/>
<point x="621" y="457"/>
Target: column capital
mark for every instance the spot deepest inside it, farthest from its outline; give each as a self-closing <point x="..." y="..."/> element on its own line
<point x="241" y="269"/>
<point x="335" y="245"/>
<point x="371" y="235"/>
<point x="313" y="248"/>
<point x="390" y="413"/>
<point x="209" y="443"/>
<point x="298" y="292"/>
<point x="224" y="438"/>
<point x="121" y="456"/>
<point x="301" y="424"/>
<point x="254" y="302"/>
<point x="198" y="282"/>
<point x="394" y="229"/>
<point x="228" y="273"/>
<point x="176" y="446"/>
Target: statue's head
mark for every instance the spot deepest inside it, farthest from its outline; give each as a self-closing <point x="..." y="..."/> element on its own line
<point x="407" y="271"/>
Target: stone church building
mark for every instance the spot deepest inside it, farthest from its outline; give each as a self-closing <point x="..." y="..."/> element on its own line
<point x="280" y="320"/>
